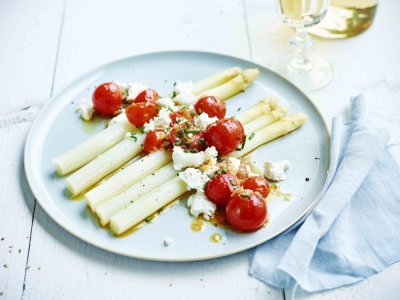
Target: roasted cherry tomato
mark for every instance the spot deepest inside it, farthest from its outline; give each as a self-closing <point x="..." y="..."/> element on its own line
<point x="107" y="99"/>
<point x="154" y="140"/>
<point x="246" y="211"/>
<point x="148" y="95"/>
<point x="220" y="188"/>
<point x="226" y="135"/>
<point x="188" y="139"/>
<point x="140" y="113"/>
<point x="257" y="184"/>
<point x="211" y="106"/>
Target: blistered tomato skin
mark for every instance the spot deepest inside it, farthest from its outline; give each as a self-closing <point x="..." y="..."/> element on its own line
<point x="226" y="135"/>
<point x="246" y="212"/>
<point x="257" y="184"/>
<point x="154" y="140"/>
<point x="107" y="99"/>
<point x="211" y="106"/>
<point x="220" y="188"/>
<point x="140" y="113"/>
<point x="148" y="95"/>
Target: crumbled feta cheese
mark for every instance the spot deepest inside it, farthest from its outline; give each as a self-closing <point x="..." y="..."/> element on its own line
<point x="85" y="109"/>
<point x="149" y="126"/>
<point x="200" y="205"/>
<point x="133" y="89"/>
<point x="162" y="120"/>
<point x="209" y="170"/>
<point x="183" y="87"/>
<point x="250" y="172"/>
<point x="182" y="160"/>
<point x="203" y="120"/>
<point x="194" y="179"/>
<point x="231" y="165"/>
<point x="121" y="118"/>
<point x="276" y="170"/>
<point x="186" y="98"/>
<point x="167" y="103"/>
<point x="168" y="242"/>
<point x="210" y="155"/>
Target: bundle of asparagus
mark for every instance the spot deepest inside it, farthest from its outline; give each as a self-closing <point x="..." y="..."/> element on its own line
<point x="145" y="185"/>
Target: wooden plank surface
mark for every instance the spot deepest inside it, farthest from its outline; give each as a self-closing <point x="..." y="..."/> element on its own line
<point x="86" y="271"/>
<point x="28" y="39"/>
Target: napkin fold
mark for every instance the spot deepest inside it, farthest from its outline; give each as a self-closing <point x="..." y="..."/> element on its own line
<point x="354" y="230"/>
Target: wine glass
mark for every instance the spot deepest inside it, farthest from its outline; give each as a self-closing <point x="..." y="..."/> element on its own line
<point x="308" y="71"/>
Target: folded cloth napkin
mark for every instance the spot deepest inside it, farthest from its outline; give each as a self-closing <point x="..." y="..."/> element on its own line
<point x="354" y="230"/>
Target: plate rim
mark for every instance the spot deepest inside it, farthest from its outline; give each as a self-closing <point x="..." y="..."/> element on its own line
<point x="34" y="188"/>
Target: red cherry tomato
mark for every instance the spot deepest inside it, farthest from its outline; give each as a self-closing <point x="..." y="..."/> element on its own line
<point x="148" y="95"/>
<point x="246" y="211"/>
<point x="220" y="188"/>
<point x="154" y="140"/>
<point x="140" y="113"/>
<point x="257" y="184"/>
<point x="211" y="106"/>
<point x="107" y="99"/>
<point x="226" y="135"/>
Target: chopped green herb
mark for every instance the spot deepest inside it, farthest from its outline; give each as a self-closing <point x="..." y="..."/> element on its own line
<point x="199" y="110"/>
<point x="244" y="142"/>
<point x="174" y="94"/>
<point x="142" y="129"/>
<point x="174" y="83"/>
<point x="192" y="131"/>
<point x="133" y="135"/>
<point x="168" y="129"/>
<point x="170" y="108"/>
<point x="251" y="136"/>
<point x="221" y="171"/>
<point x="239" y="109"/>
<point x="149" y="219"/>
<point x="178" y="143"/>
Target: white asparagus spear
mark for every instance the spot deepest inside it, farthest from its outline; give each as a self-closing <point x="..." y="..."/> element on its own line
<point x="236" y="85"/>
<point x="104" y="164"/>
<point x="86" y="151"/>
<point x="127" y="176"/>
<point x="170" y="190"/>
<point x="79" y="181"/>
<point x="142" y="187"/>
<point x="272" y="132"/>
<point x="263" y="106"/>
<point x="215" y="80"/>
<point x="100" y="142"/>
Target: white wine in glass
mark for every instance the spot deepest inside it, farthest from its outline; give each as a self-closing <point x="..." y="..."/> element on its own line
<point x="346" y="18"/>
<point x="309" y="72"/>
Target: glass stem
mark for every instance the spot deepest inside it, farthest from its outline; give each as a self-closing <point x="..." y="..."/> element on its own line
<point x="301" y="42"/>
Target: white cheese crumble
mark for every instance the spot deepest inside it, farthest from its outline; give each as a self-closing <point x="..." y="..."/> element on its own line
<point x="200" y="205"/>
<point x="85" y="109"/>
<point x="149" y="126"/>
<point x="203" y="120"/>
<point x="231" y="165"/>
<point x="194" y="179"/>
<point x="167" y="103"/>
<point x="185" y="98"/>
<point x="162" y="120"/>
<point x="250" y="172"/>
<point x="182" y="160"/>
<point x="132" y="89"/>
<point x="276" y="170"/>
<point x="209" y="170"/>
<point x="121" y="118"/>
<point x="168" y="242"/>
<point x="183" y="87"/>
<point x="210" y="155"/>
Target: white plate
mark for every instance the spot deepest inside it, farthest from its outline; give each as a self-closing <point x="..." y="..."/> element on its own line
<point x="57" y="128"/>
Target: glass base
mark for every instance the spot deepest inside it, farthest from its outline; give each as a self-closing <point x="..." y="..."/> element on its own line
<point x="313" y="77"/>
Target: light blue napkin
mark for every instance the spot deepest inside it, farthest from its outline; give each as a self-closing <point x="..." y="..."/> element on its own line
<point x="354" y="231"/>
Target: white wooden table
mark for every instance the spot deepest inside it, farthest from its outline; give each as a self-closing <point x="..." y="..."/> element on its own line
<point x="46" y="43"/>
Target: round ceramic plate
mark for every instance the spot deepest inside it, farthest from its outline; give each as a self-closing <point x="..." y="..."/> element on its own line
<point x="58" y="127"/>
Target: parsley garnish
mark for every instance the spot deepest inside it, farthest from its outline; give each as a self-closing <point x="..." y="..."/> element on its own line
<point x="142" y="129"/>
<point x="192" y="131"/>
<point x="133" y="135"/>
<point x="239" y="109"/>
<point x="251" y="136"/>
<point x="244" y="142"/>
<point x="170" y="108"/>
